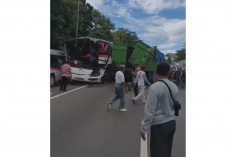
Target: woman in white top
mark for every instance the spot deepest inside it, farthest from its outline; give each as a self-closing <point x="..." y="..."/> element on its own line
<point x="134" y="73"/>
<point x="141" y="79"/>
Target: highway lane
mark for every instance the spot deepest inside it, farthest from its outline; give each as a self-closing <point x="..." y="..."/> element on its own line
<point x="81" y="125"/>
<point x="56" y="89"/>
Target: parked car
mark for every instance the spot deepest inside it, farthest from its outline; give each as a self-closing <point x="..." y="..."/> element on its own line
<point x="57" y="59"/>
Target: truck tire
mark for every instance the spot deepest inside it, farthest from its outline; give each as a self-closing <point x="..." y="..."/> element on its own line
<point x="110" y="73"/>
<point x="103" y="79"/>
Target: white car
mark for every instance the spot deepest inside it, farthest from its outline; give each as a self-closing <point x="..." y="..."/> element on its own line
<point x="57" y="58"/>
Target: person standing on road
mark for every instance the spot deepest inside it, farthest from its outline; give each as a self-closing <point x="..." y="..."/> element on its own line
<point x="136" y="68"/>
<point x="159" y="114"/>
<point x="182" y="79"/>
<point x="66" y="74"/>
<point x="140" y="80"/>
<point x="178" y="74"/>
<point x="119" y="90"/>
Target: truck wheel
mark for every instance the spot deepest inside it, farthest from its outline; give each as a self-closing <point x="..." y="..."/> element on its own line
<point x="52" y="80"/>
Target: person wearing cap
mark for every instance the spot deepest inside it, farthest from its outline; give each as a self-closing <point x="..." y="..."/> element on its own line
<point x="119" y="90"/>
<point x="66" y="74"/>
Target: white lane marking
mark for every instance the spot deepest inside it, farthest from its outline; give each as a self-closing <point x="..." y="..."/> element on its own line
<point x="68" y="92"/>
<point x="143" y="148"/>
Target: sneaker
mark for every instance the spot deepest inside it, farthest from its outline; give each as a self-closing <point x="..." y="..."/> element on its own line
<point x="109" y="106"/>
<point x="122" y="110"/>
<point x="133" y="101"/>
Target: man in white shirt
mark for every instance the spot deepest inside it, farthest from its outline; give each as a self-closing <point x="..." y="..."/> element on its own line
<point x="140" y="80"/>
<point x="119" y="90"/>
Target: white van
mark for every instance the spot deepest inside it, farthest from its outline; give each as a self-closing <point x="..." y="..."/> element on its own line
<point x="57" y="59"/>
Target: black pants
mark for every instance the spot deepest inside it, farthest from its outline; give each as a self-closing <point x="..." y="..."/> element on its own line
<point x="136" y="89"/>
<point x="162" y="138"/>
<point x="63" y="83"/>
<point x="94" y="66"/>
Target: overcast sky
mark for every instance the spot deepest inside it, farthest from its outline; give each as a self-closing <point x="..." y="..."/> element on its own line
<point x="157" y="22"/>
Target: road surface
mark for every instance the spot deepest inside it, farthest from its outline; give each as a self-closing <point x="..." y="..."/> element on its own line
<point x="82" y="127"/>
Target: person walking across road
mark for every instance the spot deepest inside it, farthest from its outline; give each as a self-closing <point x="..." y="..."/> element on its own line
<point x="136" y="68"/>
<point x="119" y="90"/>
<point x="141" y="79"/>
<point x="159" y="114"/>
<point x="66" y="74"/>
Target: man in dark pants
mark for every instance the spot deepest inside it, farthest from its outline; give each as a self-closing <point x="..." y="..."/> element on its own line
<point x="159" y="114"/>
<point x="66" y="74"/>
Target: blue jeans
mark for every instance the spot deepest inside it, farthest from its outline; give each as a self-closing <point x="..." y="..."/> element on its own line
<point x="119" y="94"/>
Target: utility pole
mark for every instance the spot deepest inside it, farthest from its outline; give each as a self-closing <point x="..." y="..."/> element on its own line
<point x="77" y="19"/>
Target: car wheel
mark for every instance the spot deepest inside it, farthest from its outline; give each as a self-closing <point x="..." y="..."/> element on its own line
<point x="102" y="80"/>
<point x="52" y="80"/>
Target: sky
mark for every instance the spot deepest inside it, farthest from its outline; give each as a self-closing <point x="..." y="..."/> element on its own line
<point x="158" y="23"/>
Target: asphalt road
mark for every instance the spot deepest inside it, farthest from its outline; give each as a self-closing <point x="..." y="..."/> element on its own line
<point x="82" y="127"/>
<point x="56" y="89"/>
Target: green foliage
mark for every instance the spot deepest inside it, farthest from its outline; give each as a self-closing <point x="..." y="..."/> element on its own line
<point x="63" y="17"/>
<point x="91" y="23"/>
<point x="64" y="22"/>
<point x="126" y="37"/>
<point x="169" y="60"/>
<point x="181" y="54"/>
<point x="102" y="26"/>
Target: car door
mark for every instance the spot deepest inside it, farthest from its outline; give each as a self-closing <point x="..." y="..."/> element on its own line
<point x="55" y="67"/>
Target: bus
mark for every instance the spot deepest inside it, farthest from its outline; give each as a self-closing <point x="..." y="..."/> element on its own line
<point x="89" y="58"/>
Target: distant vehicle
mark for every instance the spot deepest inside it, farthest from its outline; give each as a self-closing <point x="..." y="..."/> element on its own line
<point x="78" y="51"/>
<point x="57" y="59"/>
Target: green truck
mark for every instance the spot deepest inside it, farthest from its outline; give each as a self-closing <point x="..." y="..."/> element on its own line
<point x="142" y="54"/>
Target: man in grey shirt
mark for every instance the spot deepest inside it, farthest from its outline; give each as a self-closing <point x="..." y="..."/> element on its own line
<point x="159" y="114"/>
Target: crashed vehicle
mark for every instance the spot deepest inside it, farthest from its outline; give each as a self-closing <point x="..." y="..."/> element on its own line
<point x="89" y="58"/>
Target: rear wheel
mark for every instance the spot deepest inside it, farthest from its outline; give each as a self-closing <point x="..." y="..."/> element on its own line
<point x="52" y="80"/>
<point x="109" y="74"/>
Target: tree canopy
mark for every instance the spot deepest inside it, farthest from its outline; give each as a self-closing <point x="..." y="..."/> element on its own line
<point x="177" y="56"/>
<point x="181" y="54"/>
<point x="102" y="26"/>
<point x="124" y="36"/>
<point x="91" y="23"/>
